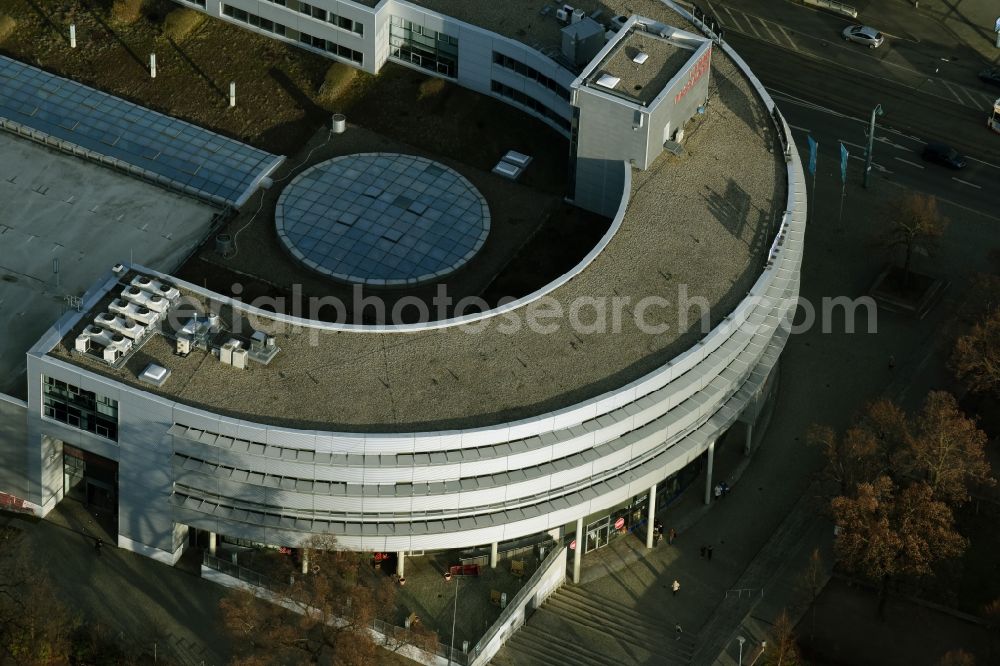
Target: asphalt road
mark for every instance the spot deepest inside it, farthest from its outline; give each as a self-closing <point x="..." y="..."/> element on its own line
<point x="924" y="75"/>
<point x="896" y="158"/>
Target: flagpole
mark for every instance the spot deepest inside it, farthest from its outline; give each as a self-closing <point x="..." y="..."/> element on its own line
<point x="843" y="193"/>
<point x="843" y="182"/>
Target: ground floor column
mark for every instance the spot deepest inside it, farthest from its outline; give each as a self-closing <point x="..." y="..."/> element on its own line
<point x="305" y="561"/>
<point x="650" y="530"/>
<point x="400" y="563"/>
<point x="578" y="553"/>
<point x="749" y="439"/>
<point x="708" y="472"/>
<point x="212" y="543"/>
<point x="493" y="555"/>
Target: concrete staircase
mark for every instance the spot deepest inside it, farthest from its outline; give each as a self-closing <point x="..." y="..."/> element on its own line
<point x="575" y="627"/>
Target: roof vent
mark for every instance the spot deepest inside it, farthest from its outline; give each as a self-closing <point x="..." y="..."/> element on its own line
<point x="608" y="81"/>
<point x="640" y="57"/>
<point x="154" y="374"/>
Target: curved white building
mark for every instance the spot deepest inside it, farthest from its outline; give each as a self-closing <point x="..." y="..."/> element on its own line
<point x="562" y="406"/>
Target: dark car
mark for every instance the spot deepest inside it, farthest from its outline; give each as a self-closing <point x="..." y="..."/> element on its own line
<point x="990" y="75"/>
<point x="945" y="155"/>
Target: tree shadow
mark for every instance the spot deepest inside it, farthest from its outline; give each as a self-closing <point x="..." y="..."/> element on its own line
<point x="114" y="35"/>
<point x="45" y="18"/>
<point x="303" y="100"/>
<point x="197" y="70"/>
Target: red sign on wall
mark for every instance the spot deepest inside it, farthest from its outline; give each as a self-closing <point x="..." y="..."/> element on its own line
<point x="620" y="523"/>
<point x="703" y="65"/>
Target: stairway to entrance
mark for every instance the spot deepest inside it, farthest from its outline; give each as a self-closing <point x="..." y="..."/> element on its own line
<point x="574" y="626"/>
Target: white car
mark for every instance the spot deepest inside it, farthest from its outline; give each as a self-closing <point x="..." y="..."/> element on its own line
<point x="863" y="34"/>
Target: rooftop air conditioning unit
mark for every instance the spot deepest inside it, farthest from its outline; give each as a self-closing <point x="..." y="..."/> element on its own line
<point x="154" y="286"/>
<point x="227" y="351"/>
<point x="119" y="270"/>
<point x="240" y="358"/>
<point x="82" y="343"/>
<point x="156" y="303"/>
<point x="183" y="345"/>
<point x="578" y="15"/>
<point x="118" y="347"/>
<point x="563" y="15"/>
<point x="258" y="340"/>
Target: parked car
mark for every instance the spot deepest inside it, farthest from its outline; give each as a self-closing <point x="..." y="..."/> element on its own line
<point x="990" y="75"/>
<point x="863" y="34"/>
<point x="943" y="154"/>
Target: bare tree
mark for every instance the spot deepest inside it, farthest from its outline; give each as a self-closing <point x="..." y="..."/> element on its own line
<point x="884" y="532"/>
<point x="865" y="450"/>
<point x="946" y="449"/>
<point x="332" y="611"/>
<point x="811" y="582"/>
<point x="976" y="359"/>
<point x="958" y="657"/>
<point x="914" y="224"/>
<point x="35" y="626"/>
<point x="782" y="650"/>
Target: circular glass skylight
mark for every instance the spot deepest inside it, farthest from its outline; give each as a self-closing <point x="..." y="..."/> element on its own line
<point x="382" y="219"/>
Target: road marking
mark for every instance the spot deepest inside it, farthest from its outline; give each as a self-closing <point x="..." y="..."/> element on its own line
<point x="732" y="19"/>
<point x="882" y="139"/>
<point x="875" y="165"/>
<point x="796" y="127"/>
<point x="919" y="166"/>
<point x="764" y="24"/>
<point x="750" y="25"/>
<point x="787" y="36"/>
<point x="965" y="182"/>
<point x="798" y="101"/>
<point x="952" y="91"/>
<point x="968" y="93"/>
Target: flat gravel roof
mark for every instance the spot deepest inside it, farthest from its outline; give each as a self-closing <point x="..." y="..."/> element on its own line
<point x="695" y="230"/>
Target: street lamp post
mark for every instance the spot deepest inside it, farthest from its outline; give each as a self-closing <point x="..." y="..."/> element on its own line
<point x="741" y="641"/>
<point x="454" y="617"/>
<point x="877" y="111"/>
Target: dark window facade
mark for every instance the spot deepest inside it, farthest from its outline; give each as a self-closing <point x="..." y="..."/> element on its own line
<point x="341" y="22"/>
<point x="332" y="47"/>
<point x="254" y="20"/>
<point x="531" y="73"/>
<point x="423" y="47"/>
<point x="81" y="409"/>
<point x="530" y="102"/>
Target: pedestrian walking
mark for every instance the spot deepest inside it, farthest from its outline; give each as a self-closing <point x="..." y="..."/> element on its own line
<point x="725" y="488"/>
<point x="701" y="551"/>
<point x="709" y="553"/>
<point x="673" y="535"/>
<point x="678" y="631"/>
<point x="676" y="586"/>
<point x="892" y="361"/>
<point x="718" y="491"/>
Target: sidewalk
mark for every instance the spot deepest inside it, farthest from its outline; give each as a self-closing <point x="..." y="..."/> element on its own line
<point x="144" y="602"/>
<point x="826" y="378"/>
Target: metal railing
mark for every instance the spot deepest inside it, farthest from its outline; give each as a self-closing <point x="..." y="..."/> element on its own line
<point x="389" y="632"/>
<point x="554" y="558"/>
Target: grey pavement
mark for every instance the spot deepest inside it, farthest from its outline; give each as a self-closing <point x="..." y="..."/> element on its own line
<point x="143" y="602"/>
